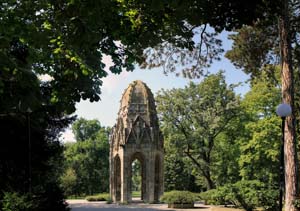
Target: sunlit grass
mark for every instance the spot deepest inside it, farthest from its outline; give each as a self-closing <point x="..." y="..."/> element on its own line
<point x="98" y="197"/>
<point x="76" y="197"/>
<point x="136" y="194"/>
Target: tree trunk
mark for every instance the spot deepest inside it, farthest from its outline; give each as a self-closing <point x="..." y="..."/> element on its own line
<point x="288" y="97"/>
<point x="209" y="182"/>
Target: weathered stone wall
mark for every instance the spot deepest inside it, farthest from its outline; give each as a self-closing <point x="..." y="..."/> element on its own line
<point x="136" y="135"/>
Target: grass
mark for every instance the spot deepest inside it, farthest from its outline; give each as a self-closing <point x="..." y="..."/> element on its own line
<point x="76" y="197"/>
<point x="98" y="197"/>
<point x="102" y="196"/>
<point x="136" y="194"/>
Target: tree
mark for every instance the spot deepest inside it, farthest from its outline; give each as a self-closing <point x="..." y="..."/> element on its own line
<point x="255" y="50"/>
<point x="88" y="160"/>
<point x="178" y="171"/>
<point x="287" y="89"/>
<point x="228" y="15"/>
<point x="66" y="41"/>
<point x="195" y="116"/>
<point x="227" y="153"/>
<point x="179" y="31"/>
<point x="68" y="181"/>
<point x="85" y="129"/>
<point x="288" y="50"/>
<point x="260" y="146"/>
<point x="51" y="55"/>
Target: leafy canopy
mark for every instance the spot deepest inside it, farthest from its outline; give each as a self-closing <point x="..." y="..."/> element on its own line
<point x="192" y="119"/>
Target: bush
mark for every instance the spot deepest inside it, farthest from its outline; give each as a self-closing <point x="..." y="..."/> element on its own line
<point x="99" y="197"/>
<point x="268" y="199"/>
<point x="13" y="201"/>
<point x="214" y="196"/>
<point x="247" y="194"/>
<point x="109" y="201"/>
<point x="179" y="197"/>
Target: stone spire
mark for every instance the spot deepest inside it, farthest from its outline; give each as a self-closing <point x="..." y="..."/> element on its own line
<point x="136" y="135"/>
<point x="138" y="100"/>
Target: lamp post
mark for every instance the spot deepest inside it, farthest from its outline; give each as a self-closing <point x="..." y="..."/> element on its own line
<point x="28" y="112"/>
<point x="283" y="110"/>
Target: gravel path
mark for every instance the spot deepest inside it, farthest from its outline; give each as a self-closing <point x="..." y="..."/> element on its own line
<point x="83" y="205"/>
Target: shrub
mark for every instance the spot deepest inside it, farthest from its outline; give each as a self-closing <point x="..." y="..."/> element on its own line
<point x="213" y="196"/>
<point x="13" y="201"/>
<point x="268" y="199"/>
<point x="98" y="197"/>
<point x="109" y="201"/>
<point x="179" y="197"/>
<point x="247" y="194"/>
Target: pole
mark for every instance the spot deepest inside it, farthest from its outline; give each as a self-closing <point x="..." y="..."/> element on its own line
<point x="281" y="182"/>
<point x="29" y="153"/>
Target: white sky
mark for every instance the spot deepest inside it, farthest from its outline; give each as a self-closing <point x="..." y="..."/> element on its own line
<point x="114" y="85"/>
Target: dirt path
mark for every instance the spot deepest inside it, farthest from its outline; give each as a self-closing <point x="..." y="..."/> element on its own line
<point x="83" y="205"/>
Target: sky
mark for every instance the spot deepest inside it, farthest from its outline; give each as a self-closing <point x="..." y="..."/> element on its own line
<point x="114" y="85"/>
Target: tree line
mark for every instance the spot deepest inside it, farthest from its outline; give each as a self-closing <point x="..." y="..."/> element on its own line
<point x="86" y="161"/>
<point x="219" y="139"/>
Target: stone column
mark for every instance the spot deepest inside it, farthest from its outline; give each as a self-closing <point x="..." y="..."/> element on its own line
<point x="150" y="177"/>
<point x="124" y="179"/>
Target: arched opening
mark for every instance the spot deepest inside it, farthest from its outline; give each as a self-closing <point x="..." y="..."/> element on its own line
<point x="117" y="178"/>
<point x="157" y="179"/>
<point x="136" y="180"/>
<point x="137" y="186"/>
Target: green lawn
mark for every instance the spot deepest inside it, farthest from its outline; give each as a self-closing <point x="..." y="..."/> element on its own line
<point x="136" y="194"/>
<point x="75" y="197"/>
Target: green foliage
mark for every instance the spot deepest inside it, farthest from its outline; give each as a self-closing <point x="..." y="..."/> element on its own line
<point x="136" y="193"/>
<point x="216" y="196"/>
<point x="227" y="153"/>
<point x="261" y="142"/>
<point x="99" y="197"/>
<point x="296" y="203"/>
<point x="68" y="181"/>
<point x="247" y="194"/>
<point x="13" y="201"/>
<point x="109" y="201"/>
<point x="182" y="37"/>
<point x="179" y="197"/>
<point x="46" y="157"/>
<point x="268" y="199"/>
<point x="178" y="172"/>
<point x="62" y="42"/>
<point x="255" y="49"/>
<point x="86" y="161"/>
<point x="85" y="129"/>
<point x="67" y="42"/>
<point x="136" y="176"/>
<point x="193" y="118"/>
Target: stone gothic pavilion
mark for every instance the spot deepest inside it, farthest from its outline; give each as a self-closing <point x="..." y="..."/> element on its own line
<point x="136" y="135"/>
